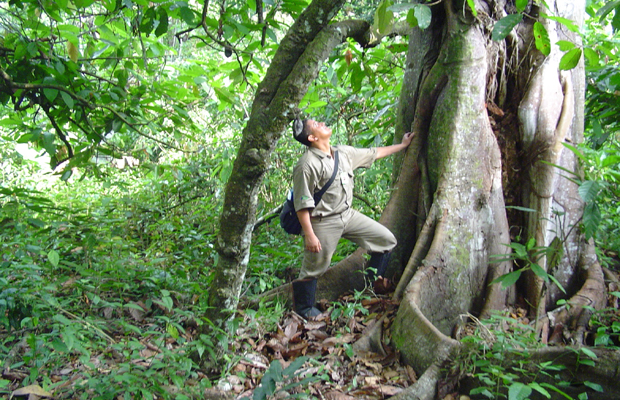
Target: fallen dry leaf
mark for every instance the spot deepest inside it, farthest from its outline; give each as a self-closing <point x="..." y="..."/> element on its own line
<point x="35" y="390"/>
<point x="337" y="396"/>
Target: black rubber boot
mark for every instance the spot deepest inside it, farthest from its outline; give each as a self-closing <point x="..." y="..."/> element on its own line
<point x="377" y="265"/>
<point x="304" y="298"/>
<point x="375" y="272"/>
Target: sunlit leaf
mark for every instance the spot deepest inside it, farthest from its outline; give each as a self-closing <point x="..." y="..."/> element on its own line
<point x="72" y="50"/>
<point x="521" y="5"/>
<point x="570" y="59"/>
<point x="570" y="25"/>
<point x="53" y="257"/>
<point x="565" y="45"/>
<point x="472" y="7"/>
<point x="384" y="17"/>
<point x="541" y="38"/>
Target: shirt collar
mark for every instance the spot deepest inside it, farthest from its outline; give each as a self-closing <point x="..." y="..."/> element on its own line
<point x="320" y="153"/>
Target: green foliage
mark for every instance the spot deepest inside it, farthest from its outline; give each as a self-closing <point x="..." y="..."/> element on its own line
<point x="528" y="257"/>
<point x="498" y="357"/>
<point x="277" y="379"/>
<point x="504" y="26"/>
<point x="606" y="324"/>
<point x="347" y="310"/>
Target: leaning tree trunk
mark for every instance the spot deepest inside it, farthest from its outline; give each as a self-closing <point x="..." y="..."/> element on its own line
<point x="295" y="65"/>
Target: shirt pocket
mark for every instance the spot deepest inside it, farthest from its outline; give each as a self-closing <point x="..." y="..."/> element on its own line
<point x="346" y="180"/>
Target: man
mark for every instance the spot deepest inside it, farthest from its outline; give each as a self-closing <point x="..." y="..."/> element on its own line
<point x="325" y="223"/>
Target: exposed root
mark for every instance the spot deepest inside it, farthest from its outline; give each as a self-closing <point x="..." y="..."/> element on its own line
<point x="575" y="318"/>
<point x="420" y="250"/>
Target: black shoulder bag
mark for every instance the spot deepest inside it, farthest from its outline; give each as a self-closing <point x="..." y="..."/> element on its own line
<point x="288" y="217"/>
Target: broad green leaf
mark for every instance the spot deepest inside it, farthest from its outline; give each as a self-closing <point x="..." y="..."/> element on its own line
<point x="423" y="15"/>
<point x="59" y="346"/>
<point x="62" y="4"/>
<point x="592" y="57"/>
<point x="51" y="94"/>
<point x="591" y="219"/>
<point x="224" y="95"/>
<point x="162" y="22"/>
<point x="53" y="257"/>
<point x="539" y="389"/>
<point x="72" y="51"/>
<point x="504" y="26"/>
<point x="317" y="104"/>
<point x="570" y="25"/>
<point x="594" y="386"/>
<point x="539" y="272"/>
<point x="66" y="97"/>
<point x="472" y="7"/>
<point x="588" y="190"/>
<point x="570" y="59"/>
<point x="188" y="16"/>
<point x="172" y="331"/>
<point x="521" y="5"/>
<point x="519" y="391"/>
<point x="606" y="9"/>
<point x="588" y="352"/>
<point x="541" y="38"/>
<point x="610" y="160"/>
<point x="66" y="175"/>
<point x="508" y="279"/>
<point x="384" y="17"/>
<point x="615" y="21"/>
<point x="565" y="45"/>
<point x="36" y="222"/>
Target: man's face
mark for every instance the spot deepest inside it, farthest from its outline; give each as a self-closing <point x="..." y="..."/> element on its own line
<point x="318" y="129"/>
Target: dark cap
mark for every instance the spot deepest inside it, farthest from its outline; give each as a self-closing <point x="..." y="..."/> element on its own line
<point x="300" y="132"/>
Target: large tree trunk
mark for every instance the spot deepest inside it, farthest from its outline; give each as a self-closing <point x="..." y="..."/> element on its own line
<point x="492" y="117"/>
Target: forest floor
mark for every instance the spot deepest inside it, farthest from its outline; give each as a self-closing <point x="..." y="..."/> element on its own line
<point x="324" y="357"/>
<point x="345" y="353"/>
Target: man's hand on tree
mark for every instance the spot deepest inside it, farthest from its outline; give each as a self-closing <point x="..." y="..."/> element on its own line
<point x="407" y="138"/>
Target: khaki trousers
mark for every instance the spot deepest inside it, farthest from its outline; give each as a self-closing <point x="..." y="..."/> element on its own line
<point x="351" y="225"/>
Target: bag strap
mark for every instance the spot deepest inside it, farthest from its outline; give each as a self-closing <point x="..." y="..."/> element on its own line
<point x="318" y="195"/>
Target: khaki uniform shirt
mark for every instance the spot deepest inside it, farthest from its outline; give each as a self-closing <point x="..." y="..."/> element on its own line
<point x="315" y="168"/>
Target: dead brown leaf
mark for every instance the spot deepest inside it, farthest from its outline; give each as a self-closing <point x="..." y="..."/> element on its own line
<point x="32" y="390"/>
<point x="334" y="395"/>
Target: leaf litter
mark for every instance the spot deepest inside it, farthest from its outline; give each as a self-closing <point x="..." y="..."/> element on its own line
<point x="325" y="356"/>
